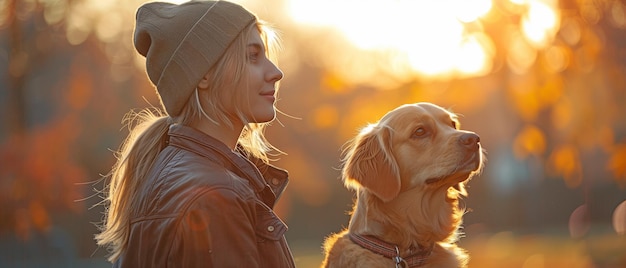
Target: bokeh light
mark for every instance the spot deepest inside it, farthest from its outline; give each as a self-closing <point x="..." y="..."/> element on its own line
<point x="541" y="22"/>
<point x="580" y="222"/>
<point x="619" y="219"/>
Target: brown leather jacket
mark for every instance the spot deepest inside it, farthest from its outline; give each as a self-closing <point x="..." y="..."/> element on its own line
<point x="205" y="206"/>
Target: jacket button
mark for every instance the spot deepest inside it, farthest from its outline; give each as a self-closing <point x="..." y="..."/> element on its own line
<point x="275" y="181"/>
<point x="270" y="228"/>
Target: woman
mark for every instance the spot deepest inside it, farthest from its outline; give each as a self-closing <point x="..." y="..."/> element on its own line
<point x="193" y="187"/>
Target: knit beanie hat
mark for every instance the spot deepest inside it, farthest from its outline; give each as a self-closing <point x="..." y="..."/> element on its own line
<point x="182" y="42"/>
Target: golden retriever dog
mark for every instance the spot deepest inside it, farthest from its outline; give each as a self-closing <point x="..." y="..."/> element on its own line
<point x="409" y="171"/>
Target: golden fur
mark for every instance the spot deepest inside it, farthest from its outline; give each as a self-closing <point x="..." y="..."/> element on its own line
<point x="409" y="171"/>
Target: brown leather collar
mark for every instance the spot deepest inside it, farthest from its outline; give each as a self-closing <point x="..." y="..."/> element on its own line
<point x="391" y="251"/>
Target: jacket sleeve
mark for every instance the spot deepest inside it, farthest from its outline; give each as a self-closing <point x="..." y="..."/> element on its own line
<point x="218" y="230"/>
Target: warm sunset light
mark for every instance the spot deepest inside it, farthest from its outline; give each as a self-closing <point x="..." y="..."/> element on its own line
<point x="540" y="81"/>
<point x="429" y="38"/>
<point x="541" y="22"/>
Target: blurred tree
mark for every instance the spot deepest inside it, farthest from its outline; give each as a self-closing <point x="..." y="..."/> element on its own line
<point x="66" y="77"/>
<point x="36" y="140"/>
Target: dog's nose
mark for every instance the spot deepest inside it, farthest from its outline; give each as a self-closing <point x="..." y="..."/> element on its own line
<point x="469" y="140"/>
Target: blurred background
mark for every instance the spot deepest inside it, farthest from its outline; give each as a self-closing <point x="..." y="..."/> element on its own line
<point x="543" y="82"/>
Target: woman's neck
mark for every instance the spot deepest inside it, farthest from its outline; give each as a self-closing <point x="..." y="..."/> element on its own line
<point x="223" y="133"/>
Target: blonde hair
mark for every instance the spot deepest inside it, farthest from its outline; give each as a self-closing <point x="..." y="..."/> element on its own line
<point x="148" y="136"/>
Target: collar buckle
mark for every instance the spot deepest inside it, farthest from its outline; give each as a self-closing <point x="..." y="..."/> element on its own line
<point x="400" y="262"/>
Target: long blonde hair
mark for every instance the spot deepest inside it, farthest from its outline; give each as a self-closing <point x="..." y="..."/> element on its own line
<point x="148" y="136"/>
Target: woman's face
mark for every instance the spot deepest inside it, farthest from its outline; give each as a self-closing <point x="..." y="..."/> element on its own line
<point x="261" y="83"/>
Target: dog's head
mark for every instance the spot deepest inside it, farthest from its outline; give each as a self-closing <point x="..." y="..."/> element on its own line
<point x="414" y="145"/>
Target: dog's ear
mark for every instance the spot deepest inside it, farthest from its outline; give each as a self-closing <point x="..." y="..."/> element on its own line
<point x="460" y="188"/>
<point x="370" y="163"/>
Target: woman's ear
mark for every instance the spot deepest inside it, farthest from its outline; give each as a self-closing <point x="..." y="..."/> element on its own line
<point x="370" y="164"/>
<point x="204" y="82"/>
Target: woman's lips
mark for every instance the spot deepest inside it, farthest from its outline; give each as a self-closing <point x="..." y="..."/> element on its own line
<point x="269" y="95"/>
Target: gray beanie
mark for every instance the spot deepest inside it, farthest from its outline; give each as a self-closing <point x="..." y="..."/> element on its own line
<point x="182" y="42"/>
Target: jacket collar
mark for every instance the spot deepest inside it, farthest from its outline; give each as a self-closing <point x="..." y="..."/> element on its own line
<point x="262" y="177"/>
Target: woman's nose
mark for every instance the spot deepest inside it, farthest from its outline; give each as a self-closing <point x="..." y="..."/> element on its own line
<point x="274" y="74"/>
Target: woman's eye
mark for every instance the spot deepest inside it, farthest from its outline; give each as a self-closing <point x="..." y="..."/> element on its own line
<point x="253" y="56"/>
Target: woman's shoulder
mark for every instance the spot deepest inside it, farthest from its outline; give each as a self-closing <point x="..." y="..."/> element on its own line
<point x="187" y="171"/>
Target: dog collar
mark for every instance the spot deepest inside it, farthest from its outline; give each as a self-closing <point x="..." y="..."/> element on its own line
<point x="391" y="251"/>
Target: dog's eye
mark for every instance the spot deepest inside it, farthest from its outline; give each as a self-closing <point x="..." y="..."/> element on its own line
<point x="454" y="125"/>
<point x="419" y="132"/>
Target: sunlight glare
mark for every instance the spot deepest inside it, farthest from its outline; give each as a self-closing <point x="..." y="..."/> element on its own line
<point x="471" y="10"/>
<point x="474" y="56"/>
<point x="540" y="23"/>
<point x="425" y="35"/>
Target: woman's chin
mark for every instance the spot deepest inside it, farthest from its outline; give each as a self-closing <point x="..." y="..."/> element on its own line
<point x="264" y="117"/>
